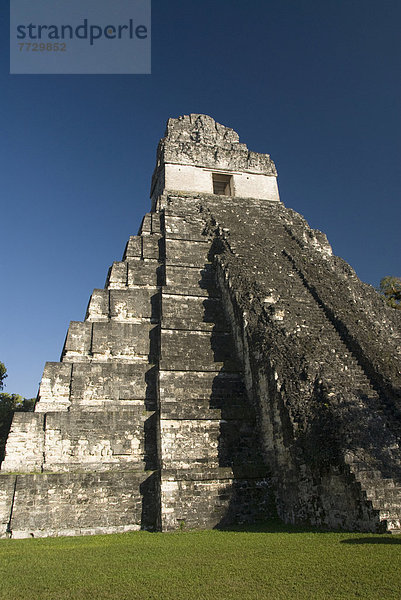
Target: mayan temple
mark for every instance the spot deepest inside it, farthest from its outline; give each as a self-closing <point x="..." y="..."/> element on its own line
<point x="231" y="370"/>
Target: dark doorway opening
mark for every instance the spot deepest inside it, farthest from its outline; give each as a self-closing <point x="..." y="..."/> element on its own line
<point x="222" y="184"/>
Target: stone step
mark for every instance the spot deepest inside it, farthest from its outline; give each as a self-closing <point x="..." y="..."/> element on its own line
<point x="184" y="228"/>
<point x="187" y="253"/>
<point x="80" y="386"/>
<point x="190" y="443"/>
<point x="88" y="341"/>
<point x="148" y="273"/>
<point x="143" y="247"/>
<point x="384" y="505"/>
<point x="196" y="474"/>
<point x="219" y="389"/>
<point x="255" y="471"/>
<point x="74" y="503"/>
<point x="393" y="518"/>
<point x="135" y="272"/>
<point x="374" y="483"/>
<point x="364" y="473"/>
<point x="194" y="313"/>
<point x="386" y="494"/>
<point x="146" y="225"/>
<point x="117" y="275"/>
<point x="360" y="380"/>
<point x="124" y="438"/>
<point x="197" y="351"/>
<point x="193" y="281"/>
<point x="124" y="305"/>
<point x="150" y="224"/>
<point x="201" y="410"/>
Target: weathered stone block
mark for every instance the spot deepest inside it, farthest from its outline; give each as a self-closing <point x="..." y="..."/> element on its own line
<point x="98" y="441"/>
<point x="196" y="351"/>
<point x="98" y="307"/>
<point x="25" y="443"/>
<point x="216" y="388"/>
<point x="184" y="228"/>
<point x="146" y="225"/>
<point x="187" y="253"/>
<point x="121" y="340"/>
<point x="127" y="305"/>
<point x="150" y="224"/>
<point x="112" y="384"/>
<point x="216" y="500"/>
<point x="192" y="313"/>
<point x="117" y="277"/>
<point x="150" y="247"/>
<point x="81" y="503"/>
<point x="202" y="395"/>
<point x="133" y="248"/>
<point x="78" y="341"/>
<point x="54" y="390"/>
<point x="143" y="273"/>
<point x="194" y="281"/>
<point x="189" y="443"/>
<point x="7" y="487"/>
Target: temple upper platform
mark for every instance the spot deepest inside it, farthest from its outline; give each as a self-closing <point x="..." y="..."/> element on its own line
<point x="200" y="156"/>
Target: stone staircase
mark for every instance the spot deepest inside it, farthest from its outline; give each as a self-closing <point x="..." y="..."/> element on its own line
<point x="207" y="427"/>
<point x="383" y="492"/>
<point x="371" y="454"/>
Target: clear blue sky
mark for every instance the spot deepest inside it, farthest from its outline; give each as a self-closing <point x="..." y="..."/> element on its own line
<point x="314" y="83"/>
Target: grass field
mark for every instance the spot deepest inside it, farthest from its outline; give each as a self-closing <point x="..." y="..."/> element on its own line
<point x="272" y="561"/>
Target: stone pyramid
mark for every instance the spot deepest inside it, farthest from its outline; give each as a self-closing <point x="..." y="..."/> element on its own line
<point x="231" y="370"/>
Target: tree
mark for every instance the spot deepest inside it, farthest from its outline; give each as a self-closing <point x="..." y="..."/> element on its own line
<point x="3" y="375"/>
<point x="390" y="287"/>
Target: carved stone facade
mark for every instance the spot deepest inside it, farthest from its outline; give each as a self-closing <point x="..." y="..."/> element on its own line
<point x="231" y="369"/>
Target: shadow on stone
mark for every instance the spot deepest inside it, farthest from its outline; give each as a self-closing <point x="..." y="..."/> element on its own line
<point x="248" y="499"/>
<point x="154" y="347"/>
<point x="150" y="381"/>
<point x="155" y="308"/>
<point x="150" y="516"/>
<point x="150" y="454"/>
<point x="271" y="525"/>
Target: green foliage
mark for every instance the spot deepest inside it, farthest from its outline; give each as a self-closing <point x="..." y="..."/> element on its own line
<point x="269" y="562"/>
<point x="390" y="287"/>
<point x="3" y="375"/>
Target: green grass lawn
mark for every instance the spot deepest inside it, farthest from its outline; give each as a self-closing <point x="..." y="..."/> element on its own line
<point x="273" y="561"/>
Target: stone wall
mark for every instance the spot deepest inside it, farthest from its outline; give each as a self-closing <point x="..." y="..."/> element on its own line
<point x="82" y="503"/>
<point x="186" y="178"/>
